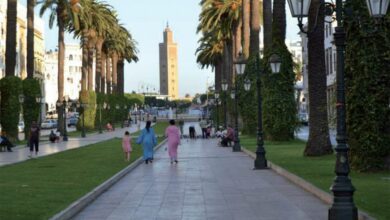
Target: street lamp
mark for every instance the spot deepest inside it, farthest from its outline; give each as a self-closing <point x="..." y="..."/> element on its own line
<point x="38" y="99"/>
<point x="343" y="206"/>
<point x="216" y="95"/>
<point x="240" y="69"/>
<point x="224" y="86"/>
<point x="63" y="104"/>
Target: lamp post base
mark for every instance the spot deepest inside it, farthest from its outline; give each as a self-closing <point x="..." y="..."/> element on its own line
<point x="236" y="147"/>
<point x="260" y="162"/>
<point x="65" y="138"/>
<point x="83" y="133"/>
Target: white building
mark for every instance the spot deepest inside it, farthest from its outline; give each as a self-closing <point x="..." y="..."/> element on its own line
<point x="72" y="74"/>
<point x="21" y="42"/>
<point x="330" y="67"/>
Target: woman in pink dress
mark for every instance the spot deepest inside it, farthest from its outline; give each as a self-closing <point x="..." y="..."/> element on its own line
<point x="173" y="134"/>
<point x="126" y="145"/>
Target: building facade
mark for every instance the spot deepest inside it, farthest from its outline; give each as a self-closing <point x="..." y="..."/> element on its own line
<point x="72" y="74"/>
<point x="21" y="42"/>
<point x="169" y="84"/>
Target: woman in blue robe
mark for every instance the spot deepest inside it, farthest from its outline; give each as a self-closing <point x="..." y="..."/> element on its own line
<point x="148" y="140"/>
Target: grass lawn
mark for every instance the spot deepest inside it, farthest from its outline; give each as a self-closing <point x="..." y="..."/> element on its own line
<point x="372" y="189"/>
<point x="39" y="188"/>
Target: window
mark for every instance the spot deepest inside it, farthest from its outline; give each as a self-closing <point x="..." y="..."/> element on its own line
<point x="330" y="61"/>
<point x="71" y="57"/>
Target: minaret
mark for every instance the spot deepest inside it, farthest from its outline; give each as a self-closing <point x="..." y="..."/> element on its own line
<point x="169" y="84"/>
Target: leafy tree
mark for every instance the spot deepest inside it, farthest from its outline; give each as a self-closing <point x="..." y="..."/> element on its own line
<point x="367" y="67"/>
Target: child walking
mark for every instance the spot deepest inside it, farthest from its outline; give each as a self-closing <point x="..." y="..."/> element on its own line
<point x="126" y="145"/>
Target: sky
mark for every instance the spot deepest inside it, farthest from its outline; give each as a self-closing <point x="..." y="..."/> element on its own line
<point x="146" y="21"/>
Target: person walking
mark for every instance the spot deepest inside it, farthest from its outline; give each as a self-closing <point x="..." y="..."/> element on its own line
<point x="181" y="126"/>
<point x="173" y="135"/>
<point x="148" y="140"/>
<point x="203" y="126"/>
<point x="34" y="138"/>
<point x="126" y="145"/>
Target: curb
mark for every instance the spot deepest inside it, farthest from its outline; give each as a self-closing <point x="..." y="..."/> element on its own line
<point x="84" y="201"/>
<point x="319" y="193"/>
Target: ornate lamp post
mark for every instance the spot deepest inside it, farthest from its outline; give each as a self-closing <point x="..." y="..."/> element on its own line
<point x="224" y="86"/>
<point x="38" y="99"/>
<point x="216" y="95"/>
<point x="275" y="62"/>
<point x="240" y="69"/>
<point x="64" y="105"/>
<point x="343" y="206"/>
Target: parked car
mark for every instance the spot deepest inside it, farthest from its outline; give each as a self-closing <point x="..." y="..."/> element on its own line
<point x="72" y="121"/>
<point x="50" y="123"/>
<point x="303" y="118"/>
<point x="21" y="126"/>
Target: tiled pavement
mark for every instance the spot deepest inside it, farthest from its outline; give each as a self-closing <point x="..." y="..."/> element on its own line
<point x="20" y="154"/>
<point x="209" y="182"/>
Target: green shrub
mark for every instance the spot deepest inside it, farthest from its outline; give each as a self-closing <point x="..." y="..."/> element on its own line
<point x="11" y="88"/>
<point x="279" y="106"/>
<point x="31" y="109"/>
<point x="368" y="89"/>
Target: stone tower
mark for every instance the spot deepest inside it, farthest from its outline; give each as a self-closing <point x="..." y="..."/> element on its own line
<point x="169" y="84"/>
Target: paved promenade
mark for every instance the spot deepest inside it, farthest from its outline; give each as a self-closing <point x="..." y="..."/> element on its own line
<point x="209" y="183"/>
<point x="21" y="153"/>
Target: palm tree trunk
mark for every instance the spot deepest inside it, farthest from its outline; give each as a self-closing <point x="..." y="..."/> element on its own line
<point x="30" y="38"/>
<point x="10" y="51"/>
<point x="279" y="21"/>
<point x="121" y="77"/>
<point x="108" y="74"/>
<point x="318" y="142"/>
<point x="238" y="38"/>
<point x="90" y="66"/>
<point x="246" y="27"/>
<point x="255" y="28"/>
<point x="114" y="60"/>
<point x="84" y="70"/>
<point x="103" y="78"/>
<point x="61" y="59"/>
<point x="98" y="65"/>
<point x="218" y="71"/>
<point x="267" y="19"/>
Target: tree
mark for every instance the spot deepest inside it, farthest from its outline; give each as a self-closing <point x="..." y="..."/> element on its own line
<point x="279" y="109"/>
<point x="367" y="89"/>
<point x="319" y="141"/>
<point x="246" y="12"/>
<point x="254" y="27"/>
<point x="10" y="50"/>
<point x="30" y="38"/>
<point x="267" y="20"/>
<point x="60" y="11"/>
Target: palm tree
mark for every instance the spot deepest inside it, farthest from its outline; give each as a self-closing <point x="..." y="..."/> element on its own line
<point x="267" y="28"/>
<point x="30" y="38"/>
<point x="255" y="27"/>
<point x="246" y="12"/>
<point x="10" y="50"/>
<point x="279" y="21"/>
<point x="209" y="53"/>
<point x="60" y="11"/>
<point x="318" y="142"/>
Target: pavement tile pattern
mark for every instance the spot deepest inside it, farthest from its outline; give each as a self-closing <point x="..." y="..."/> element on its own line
<point x="208" y="183"/>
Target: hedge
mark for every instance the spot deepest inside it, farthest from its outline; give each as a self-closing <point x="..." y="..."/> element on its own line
<point x="31" y="109"/>
<point x="11" y="88"/>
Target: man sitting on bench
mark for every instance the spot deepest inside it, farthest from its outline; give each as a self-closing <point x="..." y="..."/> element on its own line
<point x="5" y="142"/>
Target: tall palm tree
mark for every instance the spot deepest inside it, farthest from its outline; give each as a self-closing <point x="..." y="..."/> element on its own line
<point x="60" y="11"/>
<point x="10" y="50"/>
<point x="255" y="27"/>
<point x="318" y="142"/>
<point x="246" y="12"/>
<point x="30" y="38"/>
<point x="279" y="21"/>
<point x="267" y="20"/>
<point x="209" y="53"/>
